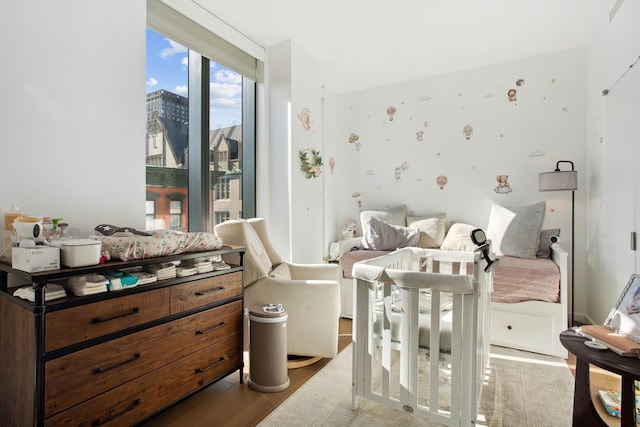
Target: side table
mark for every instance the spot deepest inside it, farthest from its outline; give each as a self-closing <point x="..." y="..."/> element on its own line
<point x="584" y="413"/>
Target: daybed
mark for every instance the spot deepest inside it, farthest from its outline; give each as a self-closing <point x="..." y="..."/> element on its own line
<point x="529" y="298"/>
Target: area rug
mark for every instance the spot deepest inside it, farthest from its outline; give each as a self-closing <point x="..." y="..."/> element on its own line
<point x="522" y="389"/>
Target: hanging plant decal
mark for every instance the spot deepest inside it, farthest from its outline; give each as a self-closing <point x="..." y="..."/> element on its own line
<point x="310" y="163"/>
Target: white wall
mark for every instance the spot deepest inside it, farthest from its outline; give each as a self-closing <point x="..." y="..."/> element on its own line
<point x="516" y="138"/>
<point x="295" y="210"/>
<point x="72" y="110"/>
<point x="613" y="151"/>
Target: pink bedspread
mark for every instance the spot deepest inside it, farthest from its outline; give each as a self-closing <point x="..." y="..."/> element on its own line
<point x="519" y="279"/>
<point x="514" y="280"/>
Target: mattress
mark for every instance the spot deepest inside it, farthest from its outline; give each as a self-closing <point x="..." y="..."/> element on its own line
<point x="515" y="279"/>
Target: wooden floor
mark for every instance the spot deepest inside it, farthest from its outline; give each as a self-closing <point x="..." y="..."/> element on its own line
<point x="231" y="403"/>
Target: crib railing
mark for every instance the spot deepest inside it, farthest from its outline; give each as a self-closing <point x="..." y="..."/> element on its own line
<point x="440" y="381"/>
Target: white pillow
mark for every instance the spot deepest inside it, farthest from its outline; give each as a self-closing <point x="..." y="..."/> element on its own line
<point x="432" y="230"/>
<point x="380" y="236"/>
<point x="515" y="231"/>
<point x="257" y="258"/>
<point x="459" y="238"/>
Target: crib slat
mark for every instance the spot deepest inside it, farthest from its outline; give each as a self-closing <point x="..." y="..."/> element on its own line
<point x="434" y="351"/>
<point x="386" y="340"/>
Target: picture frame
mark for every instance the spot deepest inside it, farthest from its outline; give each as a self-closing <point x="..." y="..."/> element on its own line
<point x="624" y="318"/>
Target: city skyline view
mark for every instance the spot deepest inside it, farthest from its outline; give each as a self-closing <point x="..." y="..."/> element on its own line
<point x="167" y="69"/>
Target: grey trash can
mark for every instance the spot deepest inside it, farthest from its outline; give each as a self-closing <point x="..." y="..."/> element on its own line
<point x="268" y="348"/>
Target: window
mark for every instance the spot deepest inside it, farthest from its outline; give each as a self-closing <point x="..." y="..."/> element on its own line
<point x="220" y="130"/>
<point x="222" y="216"/>
<point x="150" y="213"/>
<point x="222" y="188"/>
<point x="175" y="213"/>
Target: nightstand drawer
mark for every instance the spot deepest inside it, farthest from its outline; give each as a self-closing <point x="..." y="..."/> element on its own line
<point x="81" y="323"/>
<point x="205" y="291"/>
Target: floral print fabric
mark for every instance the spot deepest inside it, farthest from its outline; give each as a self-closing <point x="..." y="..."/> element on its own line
<point x="160" y="243"/>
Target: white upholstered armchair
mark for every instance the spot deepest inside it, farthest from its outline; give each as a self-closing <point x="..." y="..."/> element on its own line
<point x="309" y="292"/>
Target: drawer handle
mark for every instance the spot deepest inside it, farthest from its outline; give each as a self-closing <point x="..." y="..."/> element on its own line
<point x="199" y="332"/>
<point x="135" y="310"/>
<point x="210" y="291"/>
<point x="103" y="370"/>
<point x="112" y="417"/>
<point x="199" y="371"/>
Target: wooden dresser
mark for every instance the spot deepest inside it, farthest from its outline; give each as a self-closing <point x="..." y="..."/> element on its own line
<point x="116" y="358"/>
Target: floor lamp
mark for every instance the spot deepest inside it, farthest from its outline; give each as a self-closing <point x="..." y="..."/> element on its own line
<point x="563" y="181"/>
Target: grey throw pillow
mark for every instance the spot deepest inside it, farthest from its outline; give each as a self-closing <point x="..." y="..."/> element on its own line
<point x="515" y="231"/>
<point x="544" y="247"/>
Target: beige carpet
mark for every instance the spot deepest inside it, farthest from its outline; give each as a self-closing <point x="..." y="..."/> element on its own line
<point x="523" y="389"/>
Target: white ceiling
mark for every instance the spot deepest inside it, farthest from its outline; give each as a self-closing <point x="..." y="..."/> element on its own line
<point x="363" y="43"/>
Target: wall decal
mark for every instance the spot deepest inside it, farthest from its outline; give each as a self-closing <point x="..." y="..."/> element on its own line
<point x="356" y="196"/>
<point x="332" y="164"/>
<point x="419" y="135"/>
<point x="511" y="95"/>
<point x="369" y="172"/>
<point x="390" y="112"/>
<point x="310" y="163"/>
<point x="426" y="123"/>
<point x="442" y="181"/>
<point x="424" y="98"/>
<point x="353" y="139"/>
<point x="399" y="169"/>
<point x="537" y="153"/>
<point x="519" y="82"/>
<point x="467" y="132"/>
<point x="489" y="95"/>
<point x="503" y="186"/>
<point x="305" y="118"/>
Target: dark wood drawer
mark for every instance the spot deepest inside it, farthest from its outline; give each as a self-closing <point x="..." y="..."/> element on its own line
<point x="81" y="323"/>
<point x="79" y="376"/>
<point x="205" y="291"/>
<point x="142" y="397"/>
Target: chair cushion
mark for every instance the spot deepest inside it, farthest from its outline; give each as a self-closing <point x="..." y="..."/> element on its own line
<point x="257" y="264"/>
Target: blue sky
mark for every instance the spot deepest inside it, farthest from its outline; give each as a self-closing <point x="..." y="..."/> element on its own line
<point x="167" y="64"/>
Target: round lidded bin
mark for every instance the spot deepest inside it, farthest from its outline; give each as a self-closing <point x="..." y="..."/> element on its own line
<point x="268" y="348"/>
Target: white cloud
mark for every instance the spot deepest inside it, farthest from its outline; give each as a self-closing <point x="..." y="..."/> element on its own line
<point x="173" y="49"/>
<point x="224" y="90"/>
<point x="152" y="82"/>
<point x="182" y="90"/>
<point x="185" y="61"/>
<point x="228" y="76"/>
<point x="226" y="102"/>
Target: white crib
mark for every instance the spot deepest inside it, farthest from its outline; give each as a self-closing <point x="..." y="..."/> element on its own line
<point x="442" y="382"/>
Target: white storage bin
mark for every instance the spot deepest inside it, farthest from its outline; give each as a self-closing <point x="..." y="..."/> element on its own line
<point x="78" y="252"/>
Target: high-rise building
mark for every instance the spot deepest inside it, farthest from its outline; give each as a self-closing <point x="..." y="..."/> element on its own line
<point x="168" y="105"/>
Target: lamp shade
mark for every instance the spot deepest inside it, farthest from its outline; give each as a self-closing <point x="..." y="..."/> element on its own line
<point x="558" y="181"/>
